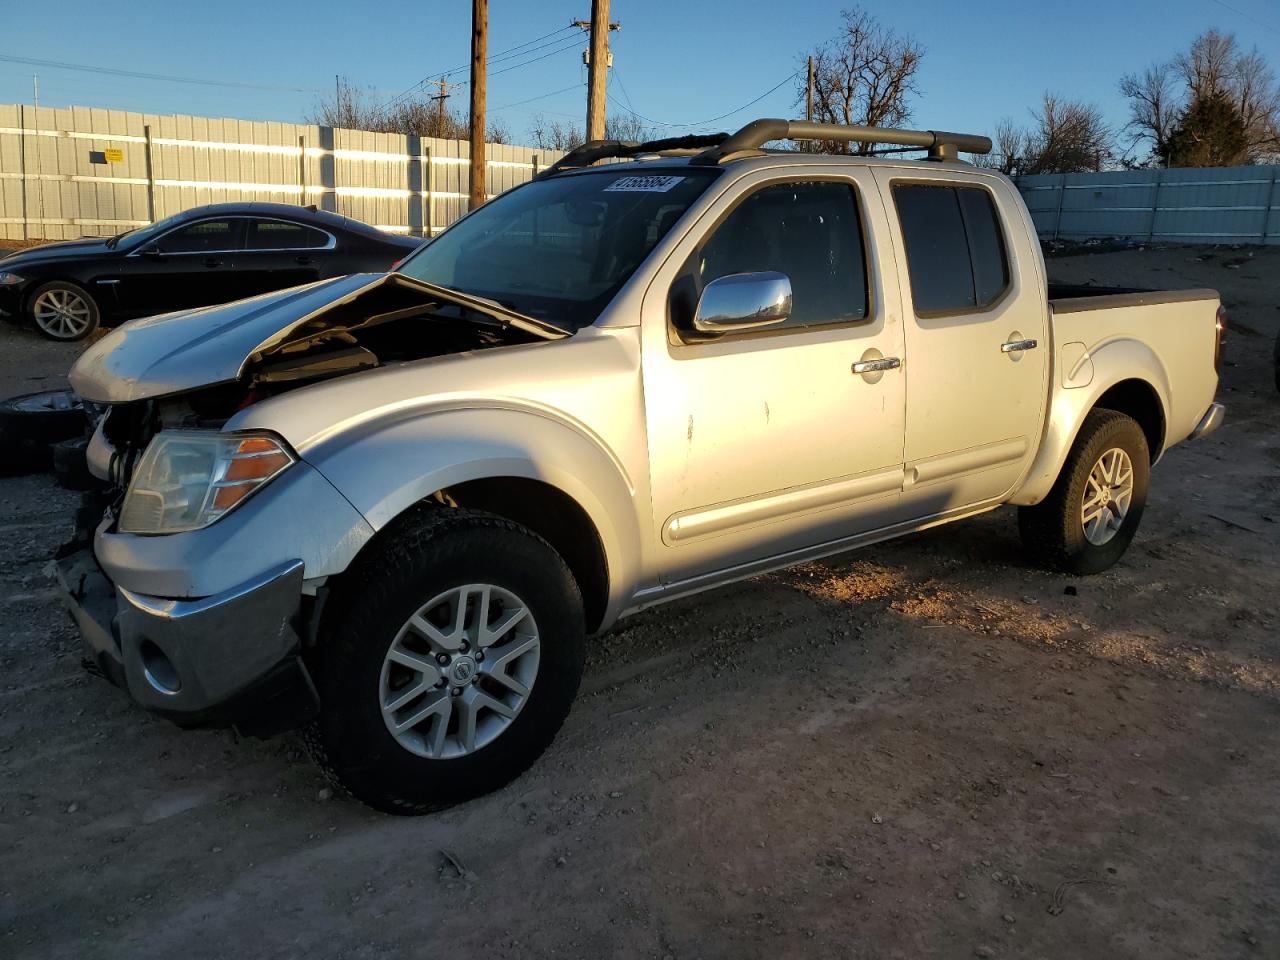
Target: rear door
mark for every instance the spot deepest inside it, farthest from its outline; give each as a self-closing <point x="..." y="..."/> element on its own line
<point x="281" y="253"/>
<point x="976" y="336"/>
<point x="767" y="442"/>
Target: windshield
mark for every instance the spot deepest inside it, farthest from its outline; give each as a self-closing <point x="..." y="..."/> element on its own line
<point x="134" y="237"/>
<point x="559" y="249"/>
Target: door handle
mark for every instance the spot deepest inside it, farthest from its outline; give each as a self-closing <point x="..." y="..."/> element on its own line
<point x="874" y="366"/>
<point x="303" y="260"/>
<point x="212" y="262"/>
<point x="1014" y="346"/>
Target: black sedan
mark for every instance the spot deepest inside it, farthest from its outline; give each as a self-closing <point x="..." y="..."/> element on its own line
<point x="202" y="256"/>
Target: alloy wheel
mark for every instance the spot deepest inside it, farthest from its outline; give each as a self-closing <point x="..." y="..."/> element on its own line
<point x="1108" y="493"/>
<point x="63" y="314"/>
<point x="459" y="671"/>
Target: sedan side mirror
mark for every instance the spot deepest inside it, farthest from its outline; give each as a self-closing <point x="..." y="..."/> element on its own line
<point x="152" y="251"/>
<point x="743" y="301"/>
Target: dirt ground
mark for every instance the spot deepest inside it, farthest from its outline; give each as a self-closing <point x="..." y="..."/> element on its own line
<point x="924" y="749"/>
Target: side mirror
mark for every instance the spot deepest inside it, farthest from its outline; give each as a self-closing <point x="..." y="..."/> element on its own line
<point x="743" y="301"/>
<point x="152" y="251"/>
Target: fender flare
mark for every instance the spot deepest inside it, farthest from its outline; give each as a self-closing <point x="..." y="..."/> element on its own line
<point x="386" y="466"/>
<point x="1113" y="361"/>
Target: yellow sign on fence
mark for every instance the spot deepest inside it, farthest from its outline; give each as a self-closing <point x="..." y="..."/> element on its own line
<point x="113" y="156"/>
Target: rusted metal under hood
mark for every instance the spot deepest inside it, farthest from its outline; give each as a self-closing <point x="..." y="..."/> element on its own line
<point x="176" y="352"/>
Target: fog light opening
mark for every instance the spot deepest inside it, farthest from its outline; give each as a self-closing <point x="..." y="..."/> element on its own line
<point x="159" y="669"/>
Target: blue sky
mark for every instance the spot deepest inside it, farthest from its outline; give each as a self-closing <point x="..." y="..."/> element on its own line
<point x="675" y="62"/>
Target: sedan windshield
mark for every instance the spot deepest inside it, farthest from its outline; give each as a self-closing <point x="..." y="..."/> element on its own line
<point x="559" y="249"/>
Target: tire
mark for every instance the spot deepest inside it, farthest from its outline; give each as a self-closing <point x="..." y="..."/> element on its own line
<point x="440" y="552"/>
<point x="1054" y="531"/>
<point x="71" y="468"/>
<point x="63" y="311"/>
<point x="32" y="422"/>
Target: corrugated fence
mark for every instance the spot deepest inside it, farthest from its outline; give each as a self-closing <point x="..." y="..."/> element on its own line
<point x="1184" y="205"/>
<point x="82" y="171"/>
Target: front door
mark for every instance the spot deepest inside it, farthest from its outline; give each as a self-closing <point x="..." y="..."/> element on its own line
<point x="766" y="442"/>
<point x="190" y="266"/>
<point x="977" y="337"/>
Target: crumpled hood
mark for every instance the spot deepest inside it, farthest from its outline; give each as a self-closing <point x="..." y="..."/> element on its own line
<point x="179" y="351"/>
<point x="175" y="352"/>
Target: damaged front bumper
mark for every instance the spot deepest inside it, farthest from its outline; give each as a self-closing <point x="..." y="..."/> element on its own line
<point x="229" y="659"/>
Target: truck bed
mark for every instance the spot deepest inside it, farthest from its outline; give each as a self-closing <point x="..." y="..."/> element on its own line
<point x="1170" y="334"/>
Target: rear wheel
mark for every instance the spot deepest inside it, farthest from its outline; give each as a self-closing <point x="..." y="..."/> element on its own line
<point x="63" y="311"/>
<point x="1090" y="516"/>
<point x="448" y="661"/>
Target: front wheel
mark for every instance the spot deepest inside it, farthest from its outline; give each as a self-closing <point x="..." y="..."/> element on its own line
<point x="1086" y="522"/>
<point x="448" y="661"/>
<point x="64" y="311"/>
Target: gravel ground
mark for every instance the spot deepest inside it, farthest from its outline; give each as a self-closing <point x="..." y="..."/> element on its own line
<point x="927" y="748"/>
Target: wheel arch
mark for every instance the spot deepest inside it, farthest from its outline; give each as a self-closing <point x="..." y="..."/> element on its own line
<point x="531" y="469"/>
<point x="1127" y="377"/>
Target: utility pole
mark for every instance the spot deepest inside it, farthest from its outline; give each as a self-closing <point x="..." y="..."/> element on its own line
<point x="808" y="94"/>
<point x="440" y="98"/>
<point x="479" y="54"/>
<point x="598" y="69"/>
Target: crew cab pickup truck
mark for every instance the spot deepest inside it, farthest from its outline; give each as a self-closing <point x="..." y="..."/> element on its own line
<point x="392" y="507"/>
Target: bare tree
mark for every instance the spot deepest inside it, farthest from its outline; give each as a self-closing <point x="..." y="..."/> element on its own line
<point x="865" y="76"/>
<point x="1154" y="105"/>
<point x="1207" y="66"/>
<point x="1257" y="97"/>
<point x="555" y="135"/>
<point x="1069" y="137"/>
<point x="1213" y="67"/>
<point x="417" y="115"/>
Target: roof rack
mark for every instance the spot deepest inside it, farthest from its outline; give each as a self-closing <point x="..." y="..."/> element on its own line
<point x="715" y="148"/>
<point x="594" y="150"/>
<point x="748" y="141"/>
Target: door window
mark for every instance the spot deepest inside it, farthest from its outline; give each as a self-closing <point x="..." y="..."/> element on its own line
<point x="955" y="249"/>
<point x="810" y="231"/>
<point x="283" y="235"/>
<point x="205" y="236"/>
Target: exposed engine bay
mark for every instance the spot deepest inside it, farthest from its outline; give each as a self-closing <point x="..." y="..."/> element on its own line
<point x="391" y="320"/>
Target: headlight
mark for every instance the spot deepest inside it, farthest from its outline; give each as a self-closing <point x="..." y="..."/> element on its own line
<point x="187" y="479"/>
<point x="9" y="279"/>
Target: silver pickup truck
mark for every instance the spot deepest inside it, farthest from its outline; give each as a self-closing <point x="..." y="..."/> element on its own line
<point x="392" y="507"/>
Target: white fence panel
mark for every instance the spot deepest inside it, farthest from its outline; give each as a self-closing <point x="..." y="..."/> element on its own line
<point x="85" y="171"/>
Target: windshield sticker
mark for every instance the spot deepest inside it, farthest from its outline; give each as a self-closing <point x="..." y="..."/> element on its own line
<point x="651" y="184"/>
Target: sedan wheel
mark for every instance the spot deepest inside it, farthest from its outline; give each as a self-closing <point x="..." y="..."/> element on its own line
<point x="64" y="312"/>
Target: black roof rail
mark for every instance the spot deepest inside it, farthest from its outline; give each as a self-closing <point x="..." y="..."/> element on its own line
<point x="940" y="144"/>
<point x="714" y="148"/>
<point x="593" y="150"/>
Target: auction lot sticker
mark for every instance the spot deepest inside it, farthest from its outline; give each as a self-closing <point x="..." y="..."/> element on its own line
<point x="652" y="184"/>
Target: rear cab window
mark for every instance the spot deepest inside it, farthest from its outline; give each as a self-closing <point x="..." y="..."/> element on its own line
<point x="956" y="256"/>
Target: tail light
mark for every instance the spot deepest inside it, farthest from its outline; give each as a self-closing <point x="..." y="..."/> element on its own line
<point x="1220" y="324"/>
<point x="396" y="266"/>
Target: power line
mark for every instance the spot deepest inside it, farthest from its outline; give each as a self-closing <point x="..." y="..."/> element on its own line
<point x="541" y="96"/>
<point x="1252" y="19"/>
<point x="526" y="63"/>
<point x="112" y="71"/>
<point x="501" y="55"/>
<point x="703" y="123"/>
